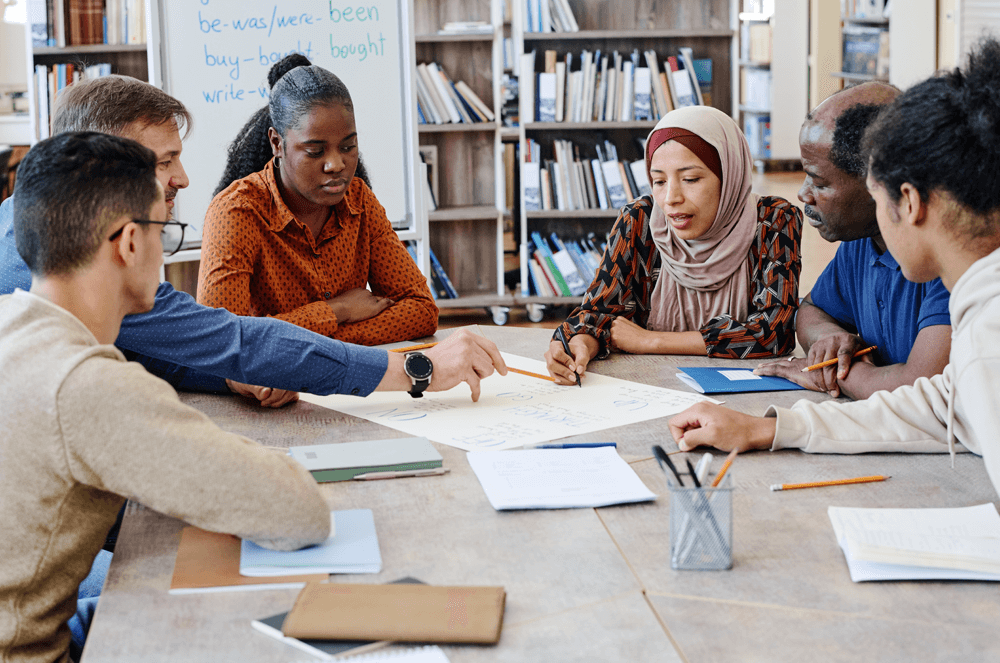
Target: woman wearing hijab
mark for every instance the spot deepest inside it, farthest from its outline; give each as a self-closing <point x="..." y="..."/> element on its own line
<point x="703" y="266"/>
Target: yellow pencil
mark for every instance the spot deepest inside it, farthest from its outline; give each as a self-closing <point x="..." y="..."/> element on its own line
<point x="725" y="468"/>
<point x="534" y="375"/>
<point x="819" y="484"/>
<point x="831" y="362"/>
<point x="411" y="348"/>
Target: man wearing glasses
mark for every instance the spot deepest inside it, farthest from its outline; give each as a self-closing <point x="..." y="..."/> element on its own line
<point x="82" y="427"/>
<point x="203" y="349"/>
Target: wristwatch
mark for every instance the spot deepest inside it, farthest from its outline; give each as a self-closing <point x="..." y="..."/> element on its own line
<point x="419" y="367"/>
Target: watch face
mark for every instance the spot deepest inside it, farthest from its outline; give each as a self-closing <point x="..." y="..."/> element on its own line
<point x="418" y="366"/>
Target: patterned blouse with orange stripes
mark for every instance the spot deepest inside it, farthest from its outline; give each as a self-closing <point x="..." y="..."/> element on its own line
<point x="631" y="265"/>
<point x="258" y="259"/>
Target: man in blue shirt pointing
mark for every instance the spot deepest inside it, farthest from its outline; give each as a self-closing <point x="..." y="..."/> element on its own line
<point x="861" y="298"/>
<point x="199" y="348"/>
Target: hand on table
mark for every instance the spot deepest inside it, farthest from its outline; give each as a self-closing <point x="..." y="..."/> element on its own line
<point x="357" y="305"/>
<point x="464" y="357"/>
<point x="563" y="367"/>
<point x="267" y="396"/>
<point x="710" y="425"/>
<point x="627" y="336"/>
<point x="790" y="368"/>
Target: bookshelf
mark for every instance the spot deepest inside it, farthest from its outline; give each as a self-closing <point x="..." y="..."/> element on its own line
<point x="466" y="230"/>
<point x="129" y="59"/>
<point x="774" y="73"/>
<point x="708" y="27"/>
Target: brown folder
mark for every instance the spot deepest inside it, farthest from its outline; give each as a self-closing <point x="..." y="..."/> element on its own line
<point x="401" y="613"/>
<point x="209" y="561"/>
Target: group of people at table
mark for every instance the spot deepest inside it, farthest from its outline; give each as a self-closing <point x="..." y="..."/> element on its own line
<point x="301" y="273"/>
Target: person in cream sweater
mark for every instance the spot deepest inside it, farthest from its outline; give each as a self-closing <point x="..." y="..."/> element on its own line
<point x="934" y="172"/>
<point x="82" y="428"/>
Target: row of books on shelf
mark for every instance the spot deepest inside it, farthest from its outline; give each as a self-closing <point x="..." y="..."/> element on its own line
<point x="63" y="23"/>
<point x="613" y="87"/>
<point x="548" y="16"/>
<point x="441" y="285"/>
<point x="570" y="182"/>
<point x="561" y="268"/>
<point x="864" y="9"/>
<point x="755" y="88"/>
<point x="441" y="101"/>
<point x="49" y="80"/>
<point x="757" y="129"/>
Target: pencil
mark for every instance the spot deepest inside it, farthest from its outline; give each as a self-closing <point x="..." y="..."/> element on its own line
<point x="831" y="362"/>
<point x="819" y="484"/>
<point x="534" y="375"/>
<point x="411" y="348"/>
<point x="725" y="468"/>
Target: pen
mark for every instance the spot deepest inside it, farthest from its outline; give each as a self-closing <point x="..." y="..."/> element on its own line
<point x="831" y="362"/>
<point x="665" y="463"/>
<point x="371" y="476"/>
<point x="562" y="339"/>
<point x="836" y="482"/>
<point x="694" y="475"/>
<point x="572" y="445"/>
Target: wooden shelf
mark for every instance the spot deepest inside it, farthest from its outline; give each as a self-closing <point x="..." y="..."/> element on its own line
<point x="455" y="128"/>
<point x="441" y="38"/>
<point x="671" y="33"/>
<point x="476" y="301"/>
<point x="865" y="21"/>
<point x="588" y="126"/>
<point x="755" y="65"/>
<point x="574" y="214"/>
<point x="755" y="111"/>
<point x="464" y="213"/>
<point x="88" y="49"/>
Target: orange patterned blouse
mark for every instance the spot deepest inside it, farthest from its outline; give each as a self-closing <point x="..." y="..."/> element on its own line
<point x="258" y="259"/>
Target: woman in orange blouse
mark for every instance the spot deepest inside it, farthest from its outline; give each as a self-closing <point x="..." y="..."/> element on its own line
<point x="300" y="239"/>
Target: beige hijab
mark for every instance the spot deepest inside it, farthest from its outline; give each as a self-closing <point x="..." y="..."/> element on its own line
<point x="703" y="278"/>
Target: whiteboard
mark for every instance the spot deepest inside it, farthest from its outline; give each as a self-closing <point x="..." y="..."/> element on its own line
<point x="214" y="56"/>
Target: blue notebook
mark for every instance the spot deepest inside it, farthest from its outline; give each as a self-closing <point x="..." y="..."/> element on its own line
<point x="732" y="380"/>
<point x="352" y="548"/>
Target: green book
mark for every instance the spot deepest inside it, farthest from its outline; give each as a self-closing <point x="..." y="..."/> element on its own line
<point x="346" y="460"/>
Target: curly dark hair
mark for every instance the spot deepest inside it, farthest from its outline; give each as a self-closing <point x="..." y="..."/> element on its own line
<point x="845" y="152"/>
<point x="943" y="134"/>
<point x="292" y="96"/>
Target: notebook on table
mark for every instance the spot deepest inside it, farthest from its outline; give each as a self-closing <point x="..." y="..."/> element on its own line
<point x="344" y="461"/>
<point x="731" y="380"/>
<point x="352" y="548"/>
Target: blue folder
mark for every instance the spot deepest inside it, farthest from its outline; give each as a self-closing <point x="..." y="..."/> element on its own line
<point x="732" y="380"/>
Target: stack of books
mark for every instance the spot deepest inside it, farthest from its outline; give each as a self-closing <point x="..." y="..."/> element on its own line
<point x="571" y="182"/>
<point x="562" y="268"/>
<point x="441" y="101"/>
<point x="440" y="285"/>
<point x="613" y="87"/>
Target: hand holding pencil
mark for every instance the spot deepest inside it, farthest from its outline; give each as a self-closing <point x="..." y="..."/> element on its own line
<point x="830" y="361"/>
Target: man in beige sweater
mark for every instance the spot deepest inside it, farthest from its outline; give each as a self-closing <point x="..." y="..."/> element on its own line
<point x="83" y="429"/>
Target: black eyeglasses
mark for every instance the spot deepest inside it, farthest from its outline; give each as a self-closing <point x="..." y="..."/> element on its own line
<point x="172" y="234"/>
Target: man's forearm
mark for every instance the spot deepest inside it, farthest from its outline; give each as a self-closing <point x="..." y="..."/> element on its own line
<point x="813" y="323"/>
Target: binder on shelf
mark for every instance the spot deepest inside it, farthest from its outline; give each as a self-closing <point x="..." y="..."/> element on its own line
<point x="638" y="170"/>
<point x="682" y="86"/>
<point x="441" y="275"/>
<point x="547" y="97"/>
<point x="532" y="186"/>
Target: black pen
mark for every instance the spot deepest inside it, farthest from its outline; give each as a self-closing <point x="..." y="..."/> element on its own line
<point x="562" y="339"/>
<point x="694" y="475"/>
<point x="665" y="463"/>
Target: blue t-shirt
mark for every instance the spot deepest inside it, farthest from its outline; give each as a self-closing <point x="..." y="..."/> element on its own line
<point x="195" y="347"/>
<point x="866" y="292"/>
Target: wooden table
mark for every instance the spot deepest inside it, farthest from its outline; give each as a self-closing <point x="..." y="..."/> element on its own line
<point x="590" y="584"/>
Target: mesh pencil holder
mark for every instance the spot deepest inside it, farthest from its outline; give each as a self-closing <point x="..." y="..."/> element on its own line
<point x="701" y="527"/>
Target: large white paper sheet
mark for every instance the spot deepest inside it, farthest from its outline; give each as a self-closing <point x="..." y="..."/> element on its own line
<point x="515" y="410"/>
<point x="557" y="478"/>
